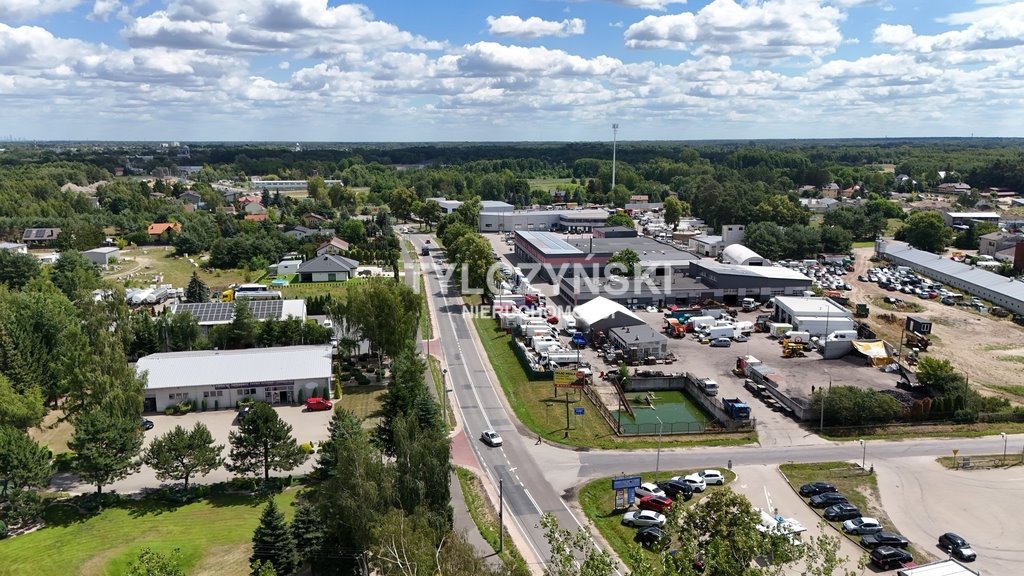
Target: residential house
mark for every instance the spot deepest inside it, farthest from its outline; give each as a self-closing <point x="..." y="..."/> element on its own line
<point x="302" y="232"/>
<point x="314" y="220"/>
<point x="157" y="230"/>
<point x="254" y="208"/>
<point x="250" y="199"/>
<point x="102" y="256"/>
<point x="327" y="268"/>
<point x="14" y="247"/>
<point x="807" y="189"/>
<point x="333" y="246"/>
<point x="819" y="204"/>
<point x="191" y="197"/>
<point x="954" y="188"/>
<point x="36" y="236"/>
<point x="963" y="219"/>
<point x="256" y="217"/>
<point x="830" y="190"/>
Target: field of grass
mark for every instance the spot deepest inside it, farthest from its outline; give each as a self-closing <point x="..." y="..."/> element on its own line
<point x="537" y="407"/>
<point x="859" y="487"/>
<point x="864" y="244"/>
<point x="983" y="461"/>
<point x="486" y="519"/>
<point x="944" y="430"/>
<point x="426" y="328"/>
<point x="305" y="290"/>
<point x="547" y="184"/>
<point x="598" y="502"/>
<point x="216" y="532"/>
<point x="1016" y="390"/>
<point x="148" y="261"/>
<point x="363" y="401"/>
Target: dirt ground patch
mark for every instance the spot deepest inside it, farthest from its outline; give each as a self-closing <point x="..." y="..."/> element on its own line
<point x="973" y="342"/>
<point x="52" y="433"/>
<point x="224" y="561"/>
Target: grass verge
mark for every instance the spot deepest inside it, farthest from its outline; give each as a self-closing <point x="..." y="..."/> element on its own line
<point x="486" y="520"/>
<point x="426" y="328"/>
<point x="439" y="388"/>
<point x="107" y="542"/>
<point x="982" y="461"/>
<point x="860" y="488"/>
<point x="597" y="500"/>
<point x="1016" y="390"/>
<point x="537" y="407"/>
<point x="863" y="244"/>
<point x="911" y="431"/>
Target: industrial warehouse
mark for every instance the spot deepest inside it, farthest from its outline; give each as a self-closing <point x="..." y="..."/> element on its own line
<point x="223" y="377"/>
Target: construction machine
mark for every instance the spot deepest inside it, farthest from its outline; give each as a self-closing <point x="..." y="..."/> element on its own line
<point x="916" y="340"/>
<point x="792" y="350"/>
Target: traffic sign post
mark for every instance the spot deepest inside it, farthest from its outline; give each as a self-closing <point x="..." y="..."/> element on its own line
<point x="955" y="451"/>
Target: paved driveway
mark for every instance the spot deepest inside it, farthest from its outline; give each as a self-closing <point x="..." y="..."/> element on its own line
<point x="306" y="427"/>
<point x="924" y="499"/>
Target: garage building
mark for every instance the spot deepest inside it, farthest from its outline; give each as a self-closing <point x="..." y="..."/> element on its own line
<point x="818" y="316"/>
<point x="223" y="377"/>
<point x="102" y="256"/>
<point x="639" y="342"/>
<point x="741" y="255"/>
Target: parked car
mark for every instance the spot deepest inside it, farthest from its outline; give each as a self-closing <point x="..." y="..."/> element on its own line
<point x="694" y="480"/>
<point x="642" y="518"/>
<point x="243" y="412"/>
<point x="698" y="562"/>
<point x="315" y="403"/>
<point x="675" y="488"/>
<point x="146" y="424"/>
<point x="815" y="488"/>
<point x="648" y="489"/>
<point x="957" y="546"/>
<point x="884" y="538"/>
<point x="712" y="477"/>
<point x="741" y="338"/>
<point x="650" y="536"/>
<point x="655" y="503"/>
<point x="887" y="557"/>
<point x="827" y="499"/>
<point x="491" y="438"/>
<point x="720" y="343"/>
<point x="862" y="526"/>
<point x="843" y="511"/>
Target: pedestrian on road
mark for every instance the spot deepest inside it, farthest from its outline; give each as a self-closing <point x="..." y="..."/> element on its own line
<point x="538" y="439"/>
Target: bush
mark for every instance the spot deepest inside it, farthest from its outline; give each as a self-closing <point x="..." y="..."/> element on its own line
<point x="64" y="462"/>
<point x="965" y="417"/>
<point x="337" y="390"/>
<point x="3" y="530"/>
<point x="362" y="379"/>
<point x="242" y="484"/>
<point x="204" y="405"/>
<point x="170" y="410"/>
<point x="302" y="395"/>
<point x="380" y="375"/>
<point x="216" y="404"/>
<point x="307" y="447"/>
<point x="184" y="407"/>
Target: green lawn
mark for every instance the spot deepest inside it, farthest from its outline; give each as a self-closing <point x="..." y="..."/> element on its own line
<point x="363" y="401"/>
<point x="536" y="406"/>
<point x="216" y="531"/>
<point x="547" y="184"/>
<point x="426" y="328"/>
<point x="859" y="487"/>
<point x="864" y="244"/>
<point x="598" y="502"/>
<point x="900" y="432"/>
<point x="983" y="461"/>
<point x="305" y="290"/>
<point x="150" y="261"/>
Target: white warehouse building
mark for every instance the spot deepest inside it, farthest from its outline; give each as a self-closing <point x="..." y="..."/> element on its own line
<point x="818" y="316"/>
<point x="741" y="256"/>
<point x="223" y="377"/>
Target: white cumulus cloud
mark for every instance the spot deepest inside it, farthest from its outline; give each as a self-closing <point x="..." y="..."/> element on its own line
<point x="14" y="10"/>
<point x="765" y="30"/>
<point x="534" y="27"/>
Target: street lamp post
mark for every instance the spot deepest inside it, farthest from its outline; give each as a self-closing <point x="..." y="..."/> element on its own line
<point x="863" y="454"/>
<point x="1003" y="434"/>
<point x="444" y="396"/>
<point x="821" y="424"/>
<point x="657" y="462"/>
<point x="501" y="515"/>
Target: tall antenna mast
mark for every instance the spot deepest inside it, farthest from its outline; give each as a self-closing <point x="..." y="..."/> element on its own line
<point x="615" y="132"/>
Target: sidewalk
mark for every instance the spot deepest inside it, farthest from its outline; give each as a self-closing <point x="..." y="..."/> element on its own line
<point x="465" y="525"/>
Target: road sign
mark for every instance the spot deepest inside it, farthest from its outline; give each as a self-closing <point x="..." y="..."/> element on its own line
<point x="626" y="482"/>
<point x="578" y="411"/>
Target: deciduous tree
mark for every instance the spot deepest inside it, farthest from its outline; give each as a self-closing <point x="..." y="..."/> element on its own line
<point x="263" y="442"/>
<point x="927" y="231"/>
<point x="16" y="269"/>
<point x="620" y="219"/>
<point x="625" y="261"/>
<point x="567" y="549"/>
<point x="179" y="454"/>
<point x="152" y="563"/>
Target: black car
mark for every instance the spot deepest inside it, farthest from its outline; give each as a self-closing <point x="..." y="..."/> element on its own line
<point x="243" y="412"/>
<point x="650" y="536"/>
<point x="842" y="511"/>
<point x="887" y="557"/>
<point x="827" y="499"/>
<point x="675" y="488"/>
<point x="146" y="424"/>
<point x="815" y="488"/>
<point x="883" y="538"/>
<point x="957" y="546"/>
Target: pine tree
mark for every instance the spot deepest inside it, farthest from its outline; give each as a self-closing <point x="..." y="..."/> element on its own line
<point x="197" y="290"/>
<point x="272" y="542"/>
<point x="307" y="532"/>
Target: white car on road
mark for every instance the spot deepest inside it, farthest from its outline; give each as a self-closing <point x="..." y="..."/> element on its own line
<point x="642" y="518"/>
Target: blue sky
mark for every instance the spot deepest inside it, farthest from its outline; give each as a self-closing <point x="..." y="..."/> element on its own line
<point x="440" y="70"/>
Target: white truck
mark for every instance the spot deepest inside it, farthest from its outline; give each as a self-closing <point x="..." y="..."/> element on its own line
<point x="567" y="323"/>
<point x="697" y="322"/>
<point x="749" y="304"/>
<point x="721" y="332"/>
<point x="708" y="386"/>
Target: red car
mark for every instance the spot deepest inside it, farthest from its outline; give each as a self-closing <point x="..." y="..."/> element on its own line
<point x="656" y="503"/>
<point x="313" y="404"/>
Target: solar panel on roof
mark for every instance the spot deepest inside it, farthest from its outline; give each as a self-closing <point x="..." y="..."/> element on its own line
<point x="39" y="233"/>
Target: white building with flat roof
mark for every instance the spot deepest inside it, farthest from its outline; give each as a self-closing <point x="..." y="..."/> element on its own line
<point x="223" y="377"/>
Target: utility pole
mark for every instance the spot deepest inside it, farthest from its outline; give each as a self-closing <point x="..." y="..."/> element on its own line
<point x="501" y="515"/>
<point x="657" y="462"/>
<point x="615" y="132"/>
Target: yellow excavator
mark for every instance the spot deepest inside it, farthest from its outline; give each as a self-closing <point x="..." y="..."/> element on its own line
<point x="792" y="350"/>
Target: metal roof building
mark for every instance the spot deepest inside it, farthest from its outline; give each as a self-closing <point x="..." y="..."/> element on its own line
<point x="1000" y="290"/>
<point x="222" y="377"/>
<point x="941" y="568"/>
<point x="741" y="255"/>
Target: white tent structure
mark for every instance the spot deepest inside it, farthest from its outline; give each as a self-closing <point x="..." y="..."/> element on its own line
<point x="602" y="314"/>
<point x="741" y="255"/>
